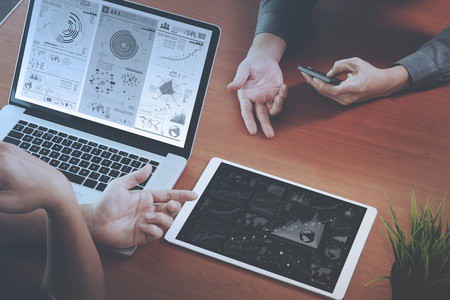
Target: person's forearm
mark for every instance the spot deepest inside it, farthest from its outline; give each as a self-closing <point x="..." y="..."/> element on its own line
<point x="73" y="269"/>
<point x="30" y="228"/>
<point x="268" y="45"/>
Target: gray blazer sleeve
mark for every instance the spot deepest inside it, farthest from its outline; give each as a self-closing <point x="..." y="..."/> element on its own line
<point x="284" y="18"/>
<point x="431" y="63"/>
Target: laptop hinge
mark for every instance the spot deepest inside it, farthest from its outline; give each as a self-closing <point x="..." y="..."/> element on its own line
<point x="66" y="120"/>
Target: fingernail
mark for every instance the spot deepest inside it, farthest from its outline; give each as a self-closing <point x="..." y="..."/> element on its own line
<point x="329" y="73"/>
<point x="150" y="216"/>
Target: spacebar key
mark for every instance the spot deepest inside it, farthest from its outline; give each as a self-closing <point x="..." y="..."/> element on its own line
<point x="73" y="177"/>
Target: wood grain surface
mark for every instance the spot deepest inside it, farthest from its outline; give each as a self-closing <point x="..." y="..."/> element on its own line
<point x="363" y="152"/>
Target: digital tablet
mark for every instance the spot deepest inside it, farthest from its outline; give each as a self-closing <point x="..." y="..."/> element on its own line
<point x="274" y="227"/>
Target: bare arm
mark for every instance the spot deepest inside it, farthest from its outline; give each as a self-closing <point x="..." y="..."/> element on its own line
<point x="73" y="269"/>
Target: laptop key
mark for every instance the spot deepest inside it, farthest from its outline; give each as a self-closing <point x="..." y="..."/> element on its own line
<point x="105" y="179"/>
<point x="101" y="187"/>
<point x="86" y="156"/>
<point x="132" y="156"/>
<point x="76" y="145"/>
<point x="32" y="125"/>
<point x="114" y="173"/>
<point x="74" y="161"/>
<point x="15" y="134"/>
<point x="123" y="153"/>
<point x="54" y="154"/>
<point x="24" y="145"/>
<point x="62" y="134"/>
<point x="42" y="128"/>
<point x="137" y="188"/>
<point x="106" y="162"/>
<point x="83" y="141"/>
<point x="57" y="139"/>
<point x="18" y="127"/>
<point x="66" y="150"/>
<point x="22" y="122"/>
<point x="84" y="172"/>
<point x="64" y="166"/>
<point x="37" y="141"/>
<point x="154" y="163"/>
<point x="52" y="131"/>
<point x="45" y="158"/>
<point x="36" y="155"/>
<point x="125" y="161"/>
<point x="54" y="163"/>
<point x="64" y="158"/>
<point x="73" y="138"/>
<point x="144" y="160"/>
<point x="57" y="147"/>
<point x="90" y="183"/>
<point x="103" y="147"/>
<point x="86" y="148"/>
<point x="106" y="154"/>
<point x="126" y="169"/>
<point x="28" y="130"/>
<point x="113" y="150"/>
<point x="74" y="169"/>
<point x="66" y="142"/>
<point x="47" y="136"/>
<point x="92" y="144"/>
<point x="38" y="133"/>
<point x="73" y="177"/>
<point x="76" y="153"/>
<point x="96" y="151"/>
<point x="11" y="141"/>
<point x="44" y="151"/>
<point x="47" y="144"/>
<point x="84" y="164"/>
<point x="115" y="157"/>
<point x="96" y="159"/>
<point x="116" y="166"/>
<point x="94" y="167"/>
<point x="94" y="175"/>
<point x="27" y="138"/>
<point x="35" y="148"/>
<point x="135" y="164"/>
<point x="104" y="170"/>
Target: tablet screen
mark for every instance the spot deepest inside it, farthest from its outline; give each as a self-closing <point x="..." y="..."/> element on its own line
<point x="273" y="225"/>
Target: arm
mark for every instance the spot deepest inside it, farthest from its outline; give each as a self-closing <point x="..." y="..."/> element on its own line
<point x="429" y="65"/>
<point x="113" y="221"/>
<point x="73" y="269"/>
<point x="259" y="80"/>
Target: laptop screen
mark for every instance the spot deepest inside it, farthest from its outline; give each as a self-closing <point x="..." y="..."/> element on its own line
<point x="114" y="65"/>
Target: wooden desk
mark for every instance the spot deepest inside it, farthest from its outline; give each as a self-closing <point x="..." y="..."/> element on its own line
<point x="361" y="152"/>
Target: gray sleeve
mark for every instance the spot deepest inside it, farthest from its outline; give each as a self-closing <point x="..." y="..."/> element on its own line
<point x="284" y="18"/>
<point x="431" y="63"/>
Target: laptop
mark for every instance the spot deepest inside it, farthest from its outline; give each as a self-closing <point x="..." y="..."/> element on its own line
<point x="102" y="88"/>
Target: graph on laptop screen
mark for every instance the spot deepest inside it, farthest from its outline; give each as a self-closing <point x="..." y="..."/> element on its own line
<point x="114" y="65"/>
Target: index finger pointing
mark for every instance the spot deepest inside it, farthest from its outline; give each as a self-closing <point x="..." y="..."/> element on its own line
<point x="177" y="195"/>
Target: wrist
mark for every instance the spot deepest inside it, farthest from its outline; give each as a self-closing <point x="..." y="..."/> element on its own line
<point x="268" y="45"/>
<point x="87" y="210"/>
<point x="397" y="79"/>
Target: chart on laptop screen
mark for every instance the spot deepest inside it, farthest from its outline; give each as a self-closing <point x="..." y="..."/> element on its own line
<point x="114" y="65"/>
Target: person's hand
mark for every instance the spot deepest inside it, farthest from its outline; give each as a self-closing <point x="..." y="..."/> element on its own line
<point x="125" y="218"/>
<point x="27" y="184"/>
<point x="259" y="83"/>
<point x="363" y="81"/>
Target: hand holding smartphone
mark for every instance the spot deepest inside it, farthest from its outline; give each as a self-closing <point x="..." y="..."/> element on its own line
<point x="319" y="75"/>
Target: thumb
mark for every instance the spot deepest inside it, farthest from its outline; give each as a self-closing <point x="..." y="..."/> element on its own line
<point x="131" y="180"/>
<point x="242" y="74"/>
<point x="339" y="67"/>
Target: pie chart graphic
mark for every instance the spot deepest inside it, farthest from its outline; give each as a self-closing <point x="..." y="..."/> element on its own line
<point x="123" y="45"/>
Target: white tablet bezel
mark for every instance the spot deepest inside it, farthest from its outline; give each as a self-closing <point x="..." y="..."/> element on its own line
<point x="347" y="270"/>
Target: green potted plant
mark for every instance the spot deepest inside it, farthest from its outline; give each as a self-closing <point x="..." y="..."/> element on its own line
<point x="422" y="257"/>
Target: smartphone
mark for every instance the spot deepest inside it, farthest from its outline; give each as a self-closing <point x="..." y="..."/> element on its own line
<point x="320" y="75"/>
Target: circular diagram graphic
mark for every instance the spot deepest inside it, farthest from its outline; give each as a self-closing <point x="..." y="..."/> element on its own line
<point x="174" y="131"/>
<point x="123" y="45"/>
<point x="333" y="252"/>
<point x="307" y="236"/>
<point x="67" y="27"/>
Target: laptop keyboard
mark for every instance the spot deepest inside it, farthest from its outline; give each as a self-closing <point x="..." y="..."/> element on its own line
<point x="83" y="162"/>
